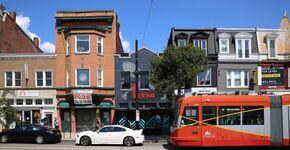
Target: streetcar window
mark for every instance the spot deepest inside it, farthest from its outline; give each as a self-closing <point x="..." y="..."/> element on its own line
<point x="209" y="115"/>
<point x="253" y="115"/>
<point x="229" y="115"/>
<point x="190" y="116"/>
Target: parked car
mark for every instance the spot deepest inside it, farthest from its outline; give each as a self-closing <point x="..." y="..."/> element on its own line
<point x="111" y="134"/>
<point x="31" y="133"/>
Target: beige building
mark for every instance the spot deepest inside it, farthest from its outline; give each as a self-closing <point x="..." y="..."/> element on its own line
<point x="274" y="58"/>
<point x="30" y="79"/>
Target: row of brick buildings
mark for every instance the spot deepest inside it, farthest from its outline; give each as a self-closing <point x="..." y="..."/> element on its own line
<point x="90" y="78"/>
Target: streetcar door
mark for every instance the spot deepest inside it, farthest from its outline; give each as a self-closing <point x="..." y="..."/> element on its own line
<point x="191" y="126"/>
<point x="209" y="128"/>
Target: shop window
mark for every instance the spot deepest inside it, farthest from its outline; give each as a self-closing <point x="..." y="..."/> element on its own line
<point x="19" y="102"/>
<point x="144" y="79"/>
<point x="36" y="116"/>
<point x="13" y="79"/>
<point x="229" y="115"/>
<point x="190" y="116"/>
<point x="48" y="101"/>
<point x="83" y="77"/>
<point x="28" y="101"/>
<point x="82" y="44"/>
<point x="253" y="115"/>
<point x="38" y="102"/>
<point x="209" y="115"/>
<point x="125" y="80"/>
<point x="10" y="101"/>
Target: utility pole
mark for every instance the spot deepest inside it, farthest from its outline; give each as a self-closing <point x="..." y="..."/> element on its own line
<point x="136" y="72"/>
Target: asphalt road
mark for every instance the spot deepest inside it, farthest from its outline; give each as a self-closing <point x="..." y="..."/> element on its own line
<point x="69" y="145"/>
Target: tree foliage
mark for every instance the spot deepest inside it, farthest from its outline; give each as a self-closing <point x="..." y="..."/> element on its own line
<point x="177" y="69"/>
<point x="7" y="112"/>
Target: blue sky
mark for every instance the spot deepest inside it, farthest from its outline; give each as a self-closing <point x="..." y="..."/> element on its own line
<point x="37" y="16"/>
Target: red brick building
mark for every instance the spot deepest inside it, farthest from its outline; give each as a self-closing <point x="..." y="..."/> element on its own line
<point x="13" y="38"/>
<point x="86" y="42"/>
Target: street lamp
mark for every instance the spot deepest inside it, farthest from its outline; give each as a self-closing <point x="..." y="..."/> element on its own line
<point x="136" y="73"/>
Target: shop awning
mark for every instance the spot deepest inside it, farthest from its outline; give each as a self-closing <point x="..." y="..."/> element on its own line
<point x="63" y="104"/>
<point x="105" y="104"/>
<point x="86" y="106"/>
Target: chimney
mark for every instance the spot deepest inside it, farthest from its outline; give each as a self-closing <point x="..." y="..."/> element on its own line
<point x="12" y="14"/>
<point x="285" y="23"/>
<point x="36" y="41"/>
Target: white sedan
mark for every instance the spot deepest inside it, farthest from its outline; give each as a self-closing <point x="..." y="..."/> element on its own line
<point x="111" y="134"/>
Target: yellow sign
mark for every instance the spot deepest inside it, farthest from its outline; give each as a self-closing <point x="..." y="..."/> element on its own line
<point x="271" y="75"/>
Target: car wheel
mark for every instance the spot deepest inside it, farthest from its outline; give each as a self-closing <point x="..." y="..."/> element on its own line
<point x="4" y="138"/>
<point x="85" y="140"/>
<point x="129" y="141"/>
<point x="39" y="139"/>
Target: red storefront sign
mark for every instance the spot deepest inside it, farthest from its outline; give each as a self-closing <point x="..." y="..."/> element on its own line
<point x="82" y="98"/>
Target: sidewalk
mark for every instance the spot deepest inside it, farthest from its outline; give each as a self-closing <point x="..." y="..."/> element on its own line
<point x="148" y="139"/>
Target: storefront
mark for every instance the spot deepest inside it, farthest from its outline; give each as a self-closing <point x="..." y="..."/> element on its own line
<point x="80" y="110"/>
<point x="33" y="106"/>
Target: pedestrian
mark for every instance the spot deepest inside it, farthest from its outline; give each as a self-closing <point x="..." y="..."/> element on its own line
<point x="55" y="123"/>
<point x="45" y="121"/>
<point x="97" y="125"/>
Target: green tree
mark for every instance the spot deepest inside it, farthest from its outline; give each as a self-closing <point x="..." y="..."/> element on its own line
<point x="7" y="112"/>
<point x="177" y="69"/>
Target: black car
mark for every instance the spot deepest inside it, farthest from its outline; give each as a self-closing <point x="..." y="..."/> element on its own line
<point x="31" y="133"/>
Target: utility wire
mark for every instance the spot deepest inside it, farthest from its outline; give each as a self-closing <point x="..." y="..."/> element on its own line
<point x="144" y="35"/>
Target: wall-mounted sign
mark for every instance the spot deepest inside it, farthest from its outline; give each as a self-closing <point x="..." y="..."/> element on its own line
<point x="27" y="93"/>
<point x="204" y="90"/>
<point x="272" y="76"/>
<point x="82" y="96"/>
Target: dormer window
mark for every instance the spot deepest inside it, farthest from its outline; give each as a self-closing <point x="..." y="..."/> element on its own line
<point x="243" y="45"/>
<point x="201" y="44"/>
<point x="181" y="42"/>
<point x="224" y="43"/>
<point x="271" y="45"/>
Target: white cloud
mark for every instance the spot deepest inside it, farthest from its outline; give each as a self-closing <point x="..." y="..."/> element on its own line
<point x="125" y="43"/>
<point x="47" y="47"/>
<point x="24" y="23"/>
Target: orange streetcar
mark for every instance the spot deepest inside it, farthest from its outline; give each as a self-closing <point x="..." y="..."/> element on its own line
<point x="231" y="120"/>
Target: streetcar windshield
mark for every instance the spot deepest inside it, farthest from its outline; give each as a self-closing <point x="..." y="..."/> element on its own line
<point x="176" y="114"/>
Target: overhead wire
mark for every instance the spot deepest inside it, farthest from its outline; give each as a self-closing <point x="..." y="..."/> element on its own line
<point x="148" y="16"/>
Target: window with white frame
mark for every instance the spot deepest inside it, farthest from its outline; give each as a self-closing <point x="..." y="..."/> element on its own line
<point x="144" y="79"/>
<point x="204" y="78"/>
<point x="82" y="44"/>
<point x="12" y="79"/>
<point x="243" y="48"/>
<point x="181" y="42"/>
<point x="100" y="76"/>
<point x="43" y="79"/>
<point x="28" y="101"/>
<point x="19" y="101"/>
<point x="201" y="44"/>
<point x="237" y="78"/>
<point x="224" y="45"/>
<point x="100" y="45"/>
<point x="83" y="77"/>
<point x="10" y="101"/>
<point x="67" y="46"/>
<point x="38" y="101"/>
<point x="272" y="48"/>
<point x="67" y="79"/>
<point x="48" y="101"/>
